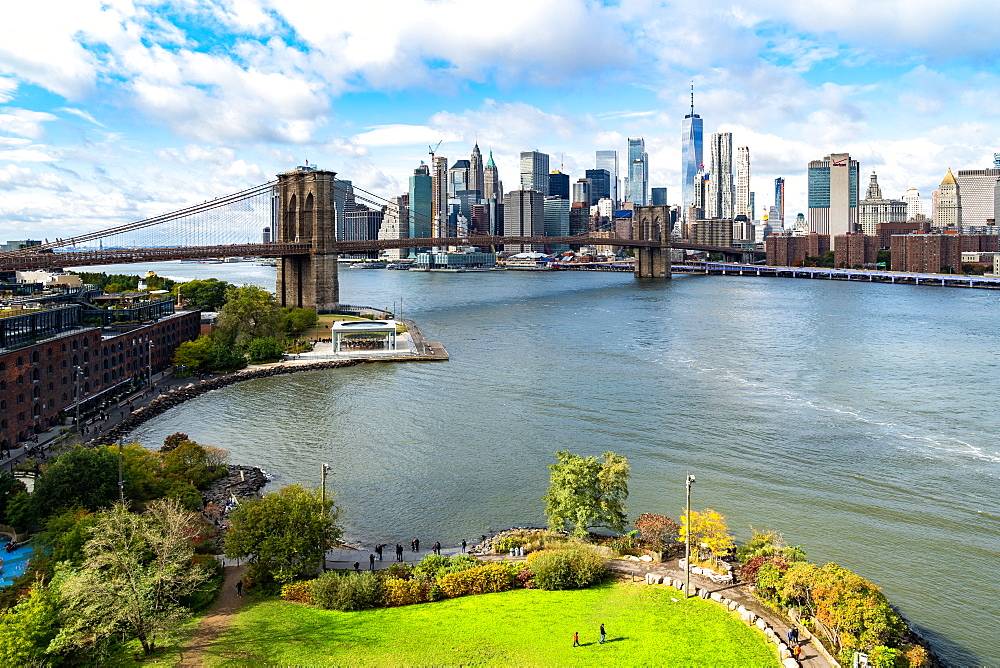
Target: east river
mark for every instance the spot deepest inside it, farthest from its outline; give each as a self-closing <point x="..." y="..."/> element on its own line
<point x="860" y="420"/>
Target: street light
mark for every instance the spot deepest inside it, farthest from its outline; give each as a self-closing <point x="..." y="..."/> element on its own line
<point x="322" y="509"/>
<point x="687" y="540"/>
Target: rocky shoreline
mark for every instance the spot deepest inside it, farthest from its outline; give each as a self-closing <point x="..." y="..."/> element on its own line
<point x="165" y="402"/>
<point x="239" y="482"/>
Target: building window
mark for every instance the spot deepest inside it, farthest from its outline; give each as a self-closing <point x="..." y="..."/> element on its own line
<point x="20" y="398"/>
<point x="65" y="397"/>
<point x="3" y="384"/>
<point x="86" y="357"/>
<point x="3" y="404"/>
<point x="52" y="385"/>
<point x="50" y="368"/>
<point x="74" y="345"/>
<point x="20" y="361"/>
<point x="20" y="417"/>
<point x="20" y="379"/>
<point x="3" y="366"/>
<point x="34" y="357"/>
<point x="64" y="347"/>
<point x="64" y="380"/>
<point x="63" y="365"/>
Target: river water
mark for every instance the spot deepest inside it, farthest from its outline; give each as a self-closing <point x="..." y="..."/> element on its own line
<point x="859" y="420"/>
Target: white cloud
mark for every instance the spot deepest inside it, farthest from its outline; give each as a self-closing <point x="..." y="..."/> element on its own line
<point x="7" y="88"/>
<point x="12" y="177"/>
<point x="403" y="135"/>
<point x="24" y="122"/>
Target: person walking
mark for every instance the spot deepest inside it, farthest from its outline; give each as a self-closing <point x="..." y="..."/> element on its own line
<point x="576" y="640"/>
<point x="357" y="566"/>
<point x="371" y="561"/>
<point x="416" y="544"/>
<point x="378" y="551"/>
<point x="239" y="587"/>
<point x="399" y="552"/>
<point x="463" y="546"/>
<point x="603" y="635"/>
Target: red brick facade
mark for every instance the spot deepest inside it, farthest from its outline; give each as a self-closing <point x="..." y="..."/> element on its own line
<point x="37" y="381"/>
<point x="855" y="250"/>
<point x="927" y="253"/>
<point x="785" y="250"/>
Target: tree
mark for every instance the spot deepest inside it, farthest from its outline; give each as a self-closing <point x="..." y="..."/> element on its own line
<point x="854" y="610"/>
<point x="708" y="531"/>
<point x="67" y="533"/>
<point x="194" y="356"/>
<point x="81" y="477"/>
<point x="225" y="357"/>
<point x="587" y="492"/>
<point x="250" y="313"/>
<point x="658" y="531"/>
<point x="283" y="534"/>
<point x="265" y="349"/>
<point x="9" y="488"/>
<point x="136" y="571"/>
<point x="295" y="320"/>
<point x="28" y="627"/>
<point x="208" y="294"/>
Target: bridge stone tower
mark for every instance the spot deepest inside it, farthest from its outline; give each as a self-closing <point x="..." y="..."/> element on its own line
<point x="307" y="214"/>
<point x="652" y="223"/>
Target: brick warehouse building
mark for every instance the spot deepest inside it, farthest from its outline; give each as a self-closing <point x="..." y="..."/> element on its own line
<point x="46" y="354"/>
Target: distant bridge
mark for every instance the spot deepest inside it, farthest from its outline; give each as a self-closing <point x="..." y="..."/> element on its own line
<point x="302" y="207"/>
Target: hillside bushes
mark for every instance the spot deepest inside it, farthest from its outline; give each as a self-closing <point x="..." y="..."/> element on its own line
<point x="572" y="567"/>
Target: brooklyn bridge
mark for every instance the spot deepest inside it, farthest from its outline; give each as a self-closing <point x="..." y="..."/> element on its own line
<point x="301" y="208"/>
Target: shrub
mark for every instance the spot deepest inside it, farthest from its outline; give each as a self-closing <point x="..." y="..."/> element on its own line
<point x="485" y="579"/>
<point x="885" y="657"/>
<point x="918" y="657"/>
<point x="625" y="545"/>
<point x="299" y="592"/>
<point x="507" y="542"/>
<point x="348" y="591"/>
<point x="567" y="568"/>
<point x="459" y="563"/>
<point x="405" y="592"/>
<point x="659" y="532"/>
<point x="429" y="566"/>
<point x="525" y="577"/>
<point x="399" y="570"/>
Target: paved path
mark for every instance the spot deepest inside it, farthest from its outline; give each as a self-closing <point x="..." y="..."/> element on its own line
<point x="215" y="622"/>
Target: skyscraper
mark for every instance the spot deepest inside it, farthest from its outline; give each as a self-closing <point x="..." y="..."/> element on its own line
<point x="458" y="177"/>
<point x="420" y="214"/>
<point x="658" y="197"/>
<point x="476" y="171"/>
<point x="692" y="131"/>
<point x="949" y="207"/>
<point x="638" y="172"/>
<point x="492" y="187"/>
<point x="556" y="220"/>
<point x="743" y="207"/>
<point x="535" y="171"/>
<point x="975" y="190"/>
<point x="559" y="185"/>
<point x="914" y="205"/>
<point x="720" y="189"/>
<point x="439" y="202"/>
<point x="833" y="195"/>
<point x="608" y="161"/>
<point x="524" y="216"/>
<point x="600" y="185"/>
<point x="874" y="209"/>
<point x="581" y="192"/>
<point x="779" y="198"/>
<point x="395" y="224"/>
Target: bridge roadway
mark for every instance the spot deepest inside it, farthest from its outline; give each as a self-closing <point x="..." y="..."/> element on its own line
<point x="22" y="260"/>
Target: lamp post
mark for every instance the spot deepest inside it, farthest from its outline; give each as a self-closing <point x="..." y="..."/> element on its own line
<point x="687" y="539"/>
<point x="76" y="378"/>
<point x="322" y="508"/>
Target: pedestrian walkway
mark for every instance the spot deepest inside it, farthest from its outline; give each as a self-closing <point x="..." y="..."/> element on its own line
<point x="215" y="623"/>
<point x="344" y="559"/>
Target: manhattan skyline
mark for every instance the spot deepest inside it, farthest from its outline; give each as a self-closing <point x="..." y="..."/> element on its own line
<point x="116" y="111"/>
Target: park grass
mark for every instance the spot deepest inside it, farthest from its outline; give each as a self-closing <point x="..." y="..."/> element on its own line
<point x="645" y="626"/>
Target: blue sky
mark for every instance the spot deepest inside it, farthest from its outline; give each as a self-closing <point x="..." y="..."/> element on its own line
<point x="113" y="110"/>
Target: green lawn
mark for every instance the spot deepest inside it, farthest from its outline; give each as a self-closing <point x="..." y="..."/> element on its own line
<point x="522" y="627"/>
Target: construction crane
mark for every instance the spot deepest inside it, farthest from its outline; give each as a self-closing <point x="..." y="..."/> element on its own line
<point x="432" y="150"/>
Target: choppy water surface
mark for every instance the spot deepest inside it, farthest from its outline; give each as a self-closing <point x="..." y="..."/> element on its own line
<point x="860" y="420"/>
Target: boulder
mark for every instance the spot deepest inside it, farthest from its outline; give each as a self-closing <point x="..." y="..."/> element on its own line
<point x="716" y="596"/>
<point x="789" y="663"/>
<point x="645" y="558"/>
<point x="761" y="624"/>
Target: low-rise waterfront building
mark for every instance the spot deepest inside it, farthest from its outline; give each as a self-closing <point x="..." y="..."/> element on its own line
<point x="788" y="250"/>
<point x="855" y="250"/>
<point x="927" y="253"/>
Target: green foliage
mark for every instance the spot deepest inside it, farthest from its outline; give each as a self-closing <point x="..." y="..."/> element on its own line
<point x="266" y="349"/>
<point x="348" y="591"/>
<point x="658" y="532"/>
<point x="885" y="657"/>
<point x="225" y="357"/>
<point x="85" y="477"/>
<point x="295" y="321"/>
<point x="769" y="576"/>
<point x="405" y="592"/>
<point x="208" y="294"/>
<point x="400" y="570"/>
<point x="136" y="569"/>
<point x="485" y="579"/>
<point x="429" y="566"/>
<point x="587" y="492"/>
<point x="299" y="592"/>
<point x="205" y="595"/>
<point x="66" y="535"/>
<point x="855" y="609"/>
<point x="9" y="488"/>
<point x="283" y="534"/>
<point x="796" y="586"/>
<point x="172" y="441"/>
<point x="113" y="283"/>
<point x="250" y="312"/>
<point x="28" y="627"/>
<point x="707" y="529"/>
<point x="507" y="543"/>
<point x="769" y="543"/>
<point x="21" y="512"/>
<point x="567" y="568"/>
<point x="194" y="356"/>
<point x="191" y="462"/>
